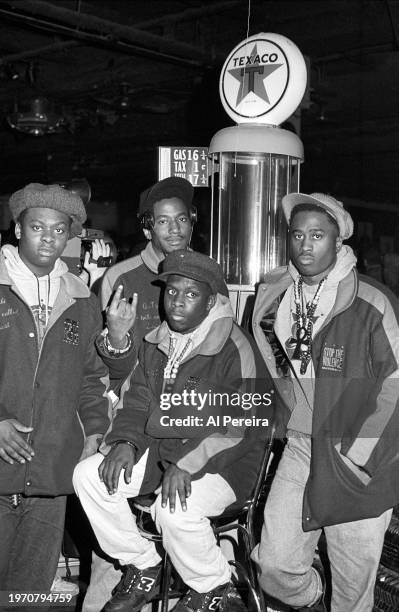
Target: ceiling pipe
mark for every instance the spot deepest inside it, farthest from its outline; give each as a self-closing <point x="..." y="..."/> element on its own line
<point x="59" y="46"/>
<point x="84" y="38"/>
<point x="188" y="14"/>
<point x="128" y="34"/>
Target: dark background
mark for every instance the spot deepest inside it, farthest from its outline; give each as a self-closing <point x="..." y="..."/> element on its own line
<point x="127" y="76"/>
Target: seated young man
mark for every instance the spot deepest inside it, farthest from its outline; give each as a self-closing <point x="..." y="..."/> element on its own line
<point x="167" y="438"/>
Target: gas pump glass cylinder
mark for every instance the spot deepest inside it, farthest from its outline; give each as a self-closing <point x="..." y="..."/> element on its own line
<point x="249" y="233"/>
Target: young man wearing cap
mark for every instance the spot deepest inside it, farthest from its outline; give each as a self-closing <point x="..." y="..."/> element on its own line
<point x="167" y="215"/>
<point x="53" y="407"/>
<point x="160" y="441"/>
<point x="131" y="300"/>
<point x="332" y="345"/>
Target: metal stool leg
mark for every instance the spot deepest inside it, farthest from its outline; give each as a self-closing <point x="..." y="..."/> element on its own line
<point x="166" y="576"/>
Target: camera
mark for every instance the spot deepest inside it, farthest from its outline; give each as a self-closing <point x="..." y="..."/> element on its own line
<point x="87" y="238"/>
<point x="75" y="251"/>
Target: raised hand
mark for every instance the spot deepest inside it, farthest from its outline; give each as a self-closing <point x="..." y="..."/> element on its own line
<point x="90" y="266"/>
<point x="121" y="315"/>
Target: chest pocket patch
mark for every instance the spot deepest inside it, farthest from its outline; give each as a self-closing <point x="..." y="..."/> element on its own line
<point x="71" y="332"/>
<point x="333" y="358"/>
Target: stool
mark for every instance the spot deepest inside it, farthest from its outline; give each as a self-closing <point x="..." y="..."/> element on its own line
<point x="238" y="516"/>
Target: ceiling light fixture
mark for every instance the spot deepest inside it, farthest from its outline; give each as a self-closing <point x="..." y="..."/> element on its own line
<point x="38" y="120"/>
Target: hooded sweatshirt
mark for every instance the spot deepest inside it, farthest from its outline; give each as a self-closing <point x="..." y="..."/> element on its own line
<point x="39" y="292"/>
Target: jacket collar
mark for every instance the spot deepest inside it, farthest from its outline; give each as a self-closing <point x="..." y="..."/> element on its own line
<point x="346" y="293"/>
<point x="150" y="258"/>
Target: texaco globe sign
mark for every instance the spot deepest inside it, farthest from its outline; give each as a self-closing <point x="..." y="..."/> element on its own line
<point x="263" y="80"/>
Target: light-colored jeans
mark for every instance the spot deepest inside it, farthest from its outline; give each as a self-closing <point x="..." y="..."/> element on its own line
<point x="285" y="553"/>
<point x="187" y="536"/>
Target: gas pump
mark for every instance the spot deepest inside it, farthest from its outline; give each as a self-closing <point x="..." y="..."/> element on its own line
<point x="255" y="163"/>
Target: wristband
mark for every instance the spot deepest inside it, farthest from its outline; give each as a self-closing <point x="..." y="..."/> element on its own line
<point x="124" y="442"/>
<point x="115" y="351"/>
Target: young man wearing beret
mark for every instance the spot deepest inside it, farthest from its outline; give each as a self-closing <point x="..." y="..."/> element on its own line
<point x="330" y="338"/>
<point x="53" y="404"/>
<point x="158" y="443"/>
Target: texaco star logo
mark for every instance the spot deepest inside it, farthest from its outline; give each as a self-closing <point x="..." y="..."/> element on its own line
<point x="252" y="77"/>
<point x="255" y="78"/>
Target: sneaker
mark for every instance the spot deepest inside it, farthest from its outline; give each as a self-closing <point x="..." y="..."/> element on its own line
<point x="136" y="588"/>
<point x="64" y="586"/>
<point x="224" y="598"/>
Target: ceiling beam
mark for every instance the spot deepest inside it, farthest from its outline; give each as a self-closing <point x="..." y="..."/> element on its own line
<point x="113" y="31"/>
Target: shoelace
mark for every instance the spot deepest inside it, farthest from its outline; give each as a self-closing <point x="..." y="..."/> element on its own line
<point x="198" y="600"/>
<point x="128" y="581"/>
<point x="134" y="577"/>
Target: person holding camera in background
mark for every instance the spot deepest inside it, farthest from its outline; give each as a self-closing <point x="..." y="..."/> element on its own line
<point x="53" y="404"/>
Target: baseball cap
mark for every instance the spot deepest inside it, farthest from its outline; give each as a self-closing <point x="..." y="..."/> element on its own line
<point x="36" y="195"/>
<point x="197" y="266"/>
<point x="171" y="187"/>
<point x="330" y="205"/>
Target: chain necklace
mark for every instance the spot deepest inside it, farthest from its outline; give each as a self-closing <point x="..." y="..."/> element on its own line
<point x="304" y="323"/>
<point x="174" y="359"/>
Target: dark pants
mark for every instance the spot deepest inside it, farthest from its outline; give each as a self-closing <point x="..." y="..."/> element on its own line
<point x="30" y="542"/>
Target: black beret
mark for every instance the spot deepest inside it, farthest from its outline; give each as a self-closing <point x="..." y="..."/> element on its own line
<point x="171" y="187"/>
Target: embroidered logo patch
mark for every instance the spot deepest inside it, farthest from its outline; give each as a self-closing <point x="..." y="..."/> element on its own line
<point x="333" y="358"/>
<point x="71" y="332"/>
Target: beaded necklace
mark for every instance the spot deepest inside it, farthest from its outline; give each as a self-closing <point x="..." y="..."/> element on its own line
<point x="304" y="323"/>
<point x="174" y="359"/>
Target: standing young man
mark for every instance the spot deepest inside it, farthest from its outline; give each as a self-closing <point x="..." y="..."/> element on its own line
<point x="333" y="339"/>
<point x="201" y="464"/>
<point x="53" y="405"/>
<point x="167" y="216"/>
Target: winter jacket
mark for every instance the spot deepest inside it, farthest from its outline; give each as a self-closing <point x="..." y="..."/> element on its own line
<point x="356" y="411"/>
<point x="58" y="389"/>
<point x="225" y="361"/>
<point x="137" y="275"/>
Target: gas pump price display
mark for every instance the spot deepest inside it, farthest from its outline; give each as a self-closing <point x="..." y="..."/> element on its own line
<point x="190" y="163"/>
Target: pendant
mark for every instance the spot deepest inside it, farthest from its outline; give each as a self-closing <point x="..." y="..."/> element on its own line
<point x="305" y="358"/>
<point x="302" y="333"/>
<point x="302" y="343"/>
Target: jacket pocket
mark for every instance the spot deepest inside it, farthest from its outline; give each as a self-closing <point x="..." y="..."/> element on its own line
<point x="350" y="472"/>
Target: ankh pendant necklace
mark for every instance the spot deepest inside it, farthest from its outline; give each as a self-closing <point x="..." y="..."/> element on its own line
<point x="304" y="322"/>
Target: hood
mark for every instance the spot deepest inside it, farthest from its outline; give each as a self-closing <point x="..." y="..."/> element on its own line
<point x="208" y="338"/>
<point x="19" y="271"/>
<point x="346" y="261"/>
<point x="14" y="271"/>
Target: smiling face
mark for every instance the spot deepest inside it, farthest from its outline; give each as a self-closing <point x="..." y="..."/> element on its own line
<point x="42" y="234"/>
<point x="172" y="226"/>
<point x="314" y="244"/>
<point x="187" y="303"/>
